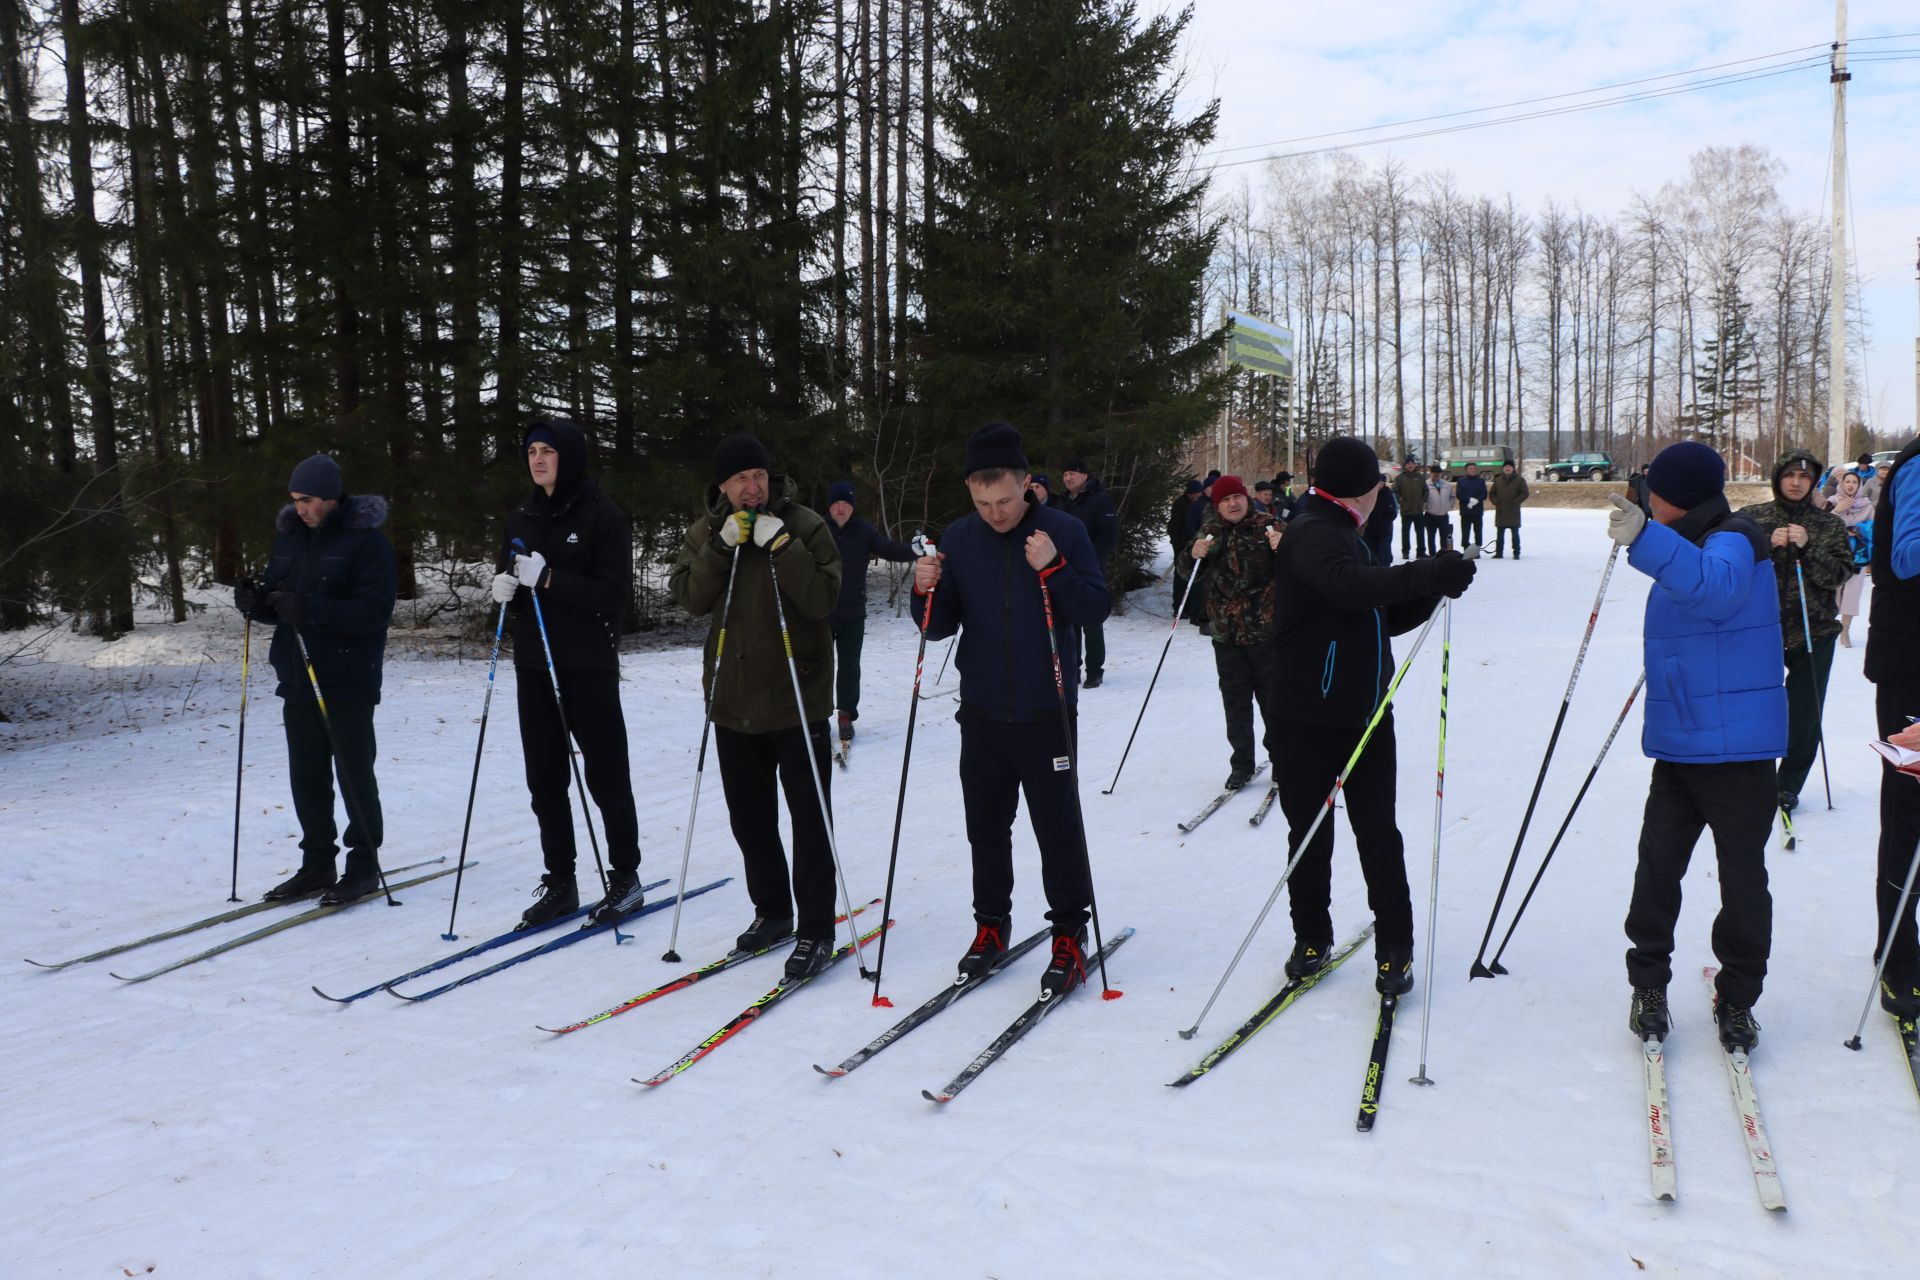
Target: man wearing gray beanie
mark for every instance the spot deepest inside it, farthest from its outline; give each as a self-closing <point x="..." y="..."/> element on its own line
<point x="330" y="582"/>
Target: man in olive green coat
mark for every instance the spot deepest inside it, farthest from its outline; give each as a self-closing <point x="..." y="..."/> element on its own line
<point x="755" y="533"/>
<point x="1509" y="490"/>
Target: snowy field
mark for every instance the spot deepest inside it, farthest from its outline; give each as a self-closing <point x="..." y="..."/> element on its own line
<point x="221" y="1121"/>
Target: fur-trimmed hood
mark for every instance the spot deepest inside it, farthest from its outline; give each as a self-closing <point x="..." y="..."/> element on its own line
<point x="356" y="511"/>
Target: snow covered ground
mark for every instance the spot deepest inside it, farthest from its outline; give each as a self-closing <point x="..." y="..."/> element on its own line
<point x="222" y="1121"/>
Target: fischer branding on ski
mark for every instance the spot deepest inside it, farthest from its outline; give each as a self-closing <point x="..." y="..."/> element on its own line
<point x="1377" y="1064"/>
<point x="952" y="992"/>
<point x="1272" y="1009"/>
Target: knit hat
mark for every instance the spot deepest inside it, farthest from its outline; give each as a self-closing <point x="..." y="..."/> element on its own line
<point x="1193" y="487"/>
<point x="1284" y="478"/>
<point x="840" y="491"/>
<point x="1226" y="486"/>
<point x="1211" y="477"/>
<point x="1040" y="478"/>
<point x="1687" y="474"/>
<point x="1075" y="464"/>
<point x="540" y="433"/>
<point x="317" y="477"/>
<point x="741" y="451"/>
<point x="1263" y="485"/>
<point x="1346" y="468"/>
<point x="994" y="446"/>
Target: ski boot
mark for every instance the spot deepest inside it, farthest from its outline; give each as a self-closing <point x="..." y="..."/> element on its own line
<point x="1738" y="1030"/>
<point x="1068" y="968"/>
<point x="623" y="898"/>
<point x="1238" y="778"/>
<point x="989" y="944"/>
<point x="310" y="877"/>
<point x="555" y="896"/>
<point x="1648" y="1017"/>
<point x="362" y="879"/>
<point x="1393" y="971"/>
<point x="1900" y="995"/>
<point x="810" y="956"/>
<point x="764" y="932"/>
<point x="1309" y="957"/>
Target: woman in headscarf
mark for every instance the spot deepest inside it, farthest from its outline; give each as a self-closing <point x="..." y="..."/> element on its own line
<point x="1855" y="510"/>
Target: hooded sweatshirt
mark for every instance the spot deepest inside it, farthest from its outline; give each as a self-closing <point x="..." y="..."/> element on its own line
<point x="1826" y="562"/>
<point x="589" y="549"/>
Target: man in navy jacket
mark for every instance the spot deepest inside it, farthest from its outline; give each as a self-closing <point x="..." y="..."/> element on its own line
<point x="1089" y="502"/>
<point x="330" y="584"/>
<point x="1716" y="720"/>
<point x="1472" y="493"/>
<point x="991" y="582"/>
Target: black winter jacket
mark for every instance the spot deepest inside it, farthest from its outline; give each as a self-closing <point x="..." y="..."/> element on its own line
<point x="589" y="550"/>
<point x="1334" y="611"/>
<point x="990" y="594"/>
<point x="1093" y="507"/>
<point x="858" y="542"/>
<point x="345" y="569"/>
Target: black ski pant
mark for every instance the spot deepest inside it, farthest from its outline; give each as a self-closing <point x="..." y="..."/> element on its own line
<point x="1894" y="699"/>
<point x="1736" y="802"/>
<point x="848" y="639"/>
<point x="1247" y="674"/>
<point x="1413" y="533"/>
<point x="751" y="764"/>
<point x="592" y="701"/>
<point x="1470" y="519"/>
<point x="1315" y="755"/>
<point x="1092" y="647"/>
<point x="1439" y="533"/>
<point x="999" y="761"/>
<point x="1806" y="701"/>
<point x="1500" y="540"/>
<point x="311" y="765"/>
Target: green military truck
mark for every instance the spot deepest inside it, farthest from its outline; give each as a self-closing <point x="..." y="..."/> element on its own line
<point x="1581" y="466"/>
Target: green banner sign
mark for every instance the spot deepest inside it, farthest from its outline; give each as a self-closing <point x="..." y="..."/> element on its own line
<point x="1264" y="347"/>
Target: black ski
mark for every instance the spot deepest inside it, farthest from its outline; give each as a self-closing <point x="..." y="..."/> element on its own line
<point x="1786" y="824"/>
<point x="939" y="1003"/>
<point x="267" y="931"/>
<point x="1272" y="1009"/>
<point x="1213" y="805"/>
<point x="1376" y="1064"/>
<point x="1018" y="1028"/>
<point x="236" y="914"/>
<point x="1910" y="1041"/>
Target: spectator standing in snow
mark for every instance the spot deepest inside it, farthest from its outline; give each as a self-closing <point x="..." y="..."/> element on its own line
<point x="1041" y="489"/>
<point x="1089" y="502"/>
<point x="1893" y="664"/>
<point x="1182" y="526"/>
<point x="1472" y="494"/>
<point x="1238" y="544"/>
<point x="1410" y="495"/>
<point x="1509" y="495"/>
<point x="858" y="542"/>
<point x="330" y="582"/>
<point x="759" y="735"/>
<point x="1439" y="510"/>
<point x="1377" y="533"/>
<point x="1856" y="513"/>
<point x="1716" y="720"/>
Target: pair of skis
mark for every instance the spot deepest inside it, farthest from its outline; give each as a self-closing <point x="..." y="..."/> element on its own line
<point x="1746" y="1102"/>
<point x="1228" y="793"/>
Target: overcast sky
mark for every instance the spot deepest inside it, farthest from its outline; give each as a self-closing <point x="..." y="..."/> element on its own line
<point x="1284" y="70"/>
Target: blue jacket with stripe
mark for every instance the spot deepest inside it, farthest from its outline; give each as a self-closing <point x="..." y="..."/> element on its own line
<point x="1715" y="691"/>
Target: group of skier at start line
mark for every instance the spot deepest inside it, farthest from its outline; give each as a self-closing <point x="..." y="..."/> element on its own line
<point x="1016" y="581"/>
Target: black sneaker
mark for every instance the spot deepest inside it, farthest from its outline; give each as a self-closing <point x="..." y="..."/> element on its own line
<point x="308" y="879"/>
<point x="764" y="932"/>
<point x="1738" y="1030"/>
<point x="553" y="897"/>
<point x="1900" y="995"/>
<point x="360" y="879"/>
<point x="1238" y="778"/>
<point x="1309" y="957"/>
<point x="1393" y="970"/>
<point x="1068" y="968"/>
<point x="810" y="956"/>
<point x="989" y="944"/>
<point x="624" y="897"/>
<point x="1092" y="681"/>
<point x="1648" y="1017"/>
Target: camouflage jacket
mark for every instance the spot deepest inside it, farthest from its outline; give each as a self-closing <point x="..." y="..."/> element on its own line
<point x="1826" y="562"/>
<point x="1239" y="582"/>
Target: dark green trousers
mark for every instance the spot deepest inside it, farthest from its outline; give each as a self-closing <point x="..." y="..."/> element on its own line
<point x="848" y="638"/>
<point x="1806" y="697"/>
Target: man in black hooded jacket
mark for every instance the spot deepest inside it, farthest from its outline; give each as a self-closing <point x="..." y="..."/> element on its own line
<point x="1088" y="501"/>
<point x="1334" y="611"/>
<point x="330" y="584"/>
<point x="569" y="545"/>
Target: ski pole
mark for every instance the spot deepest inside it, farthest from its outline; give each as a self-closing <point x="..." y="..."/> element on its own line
<point x="240" y="762"/>
<point x="1067" y="726"/>
<point x="1300" y="851"/>
<point x="566" y="742"/>
<point x="1813" y="677"/>
<point x="1439" y="799"/>
<point x="700" y="764"/>
<point x="1171" y="632"/>
<point x="473" y="787"/>
<point x="924" y="548"/>
<point x="813" y="767"/>
<point x="937" y="679"/>
<point x="1480" y="969"/>
<point x="354" y="811"/>
<point x="1886" y="945"/>
<point x="1566" y="822"/>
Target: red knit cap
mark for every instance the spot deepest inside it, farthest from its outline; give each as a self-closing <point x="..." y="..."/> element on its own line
<point x="1226" y="487"/>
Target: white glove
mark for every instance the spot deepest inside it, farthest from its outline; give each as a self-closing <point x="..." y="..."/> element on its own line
<point x="504" y="585"/>
<point x="770" y="532"/>
<point x="528" y="567"/>
<point x="736" y="529"/>
<point x="923" y="545"/>
<point x="1626" y="521"/>
<point x="1473" y="502"/>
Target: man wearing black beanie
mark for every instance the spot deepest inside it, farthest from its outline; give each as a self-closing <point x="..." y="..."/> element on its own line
<point x="1334" y="611"/>
<point x="987" y="582"/>
<point x="756" y="536"/>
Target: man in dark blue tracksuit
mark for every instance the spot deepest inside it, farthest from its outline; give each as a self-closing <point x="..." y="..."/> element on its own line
<point x="1716" y="721"/>
<point x="330" y="583"/>
<point x="858" y="542"/>
<point x="991" y="582"/>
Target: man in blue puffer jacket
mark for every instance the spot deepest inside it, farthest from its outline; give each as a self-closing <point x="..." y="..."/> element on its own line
<point x="1716" y="720"/>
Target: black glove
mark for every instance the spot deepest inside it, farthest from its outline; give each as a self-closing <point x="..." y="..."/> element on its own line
<point x="246" y="596"/>
<point x="1449" y="574"/>
<point x="290" y="607"/>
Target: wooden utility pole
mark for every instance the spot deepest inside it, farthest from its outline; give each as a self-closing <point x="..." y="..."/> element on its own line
<point x="1837" y="338"/>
